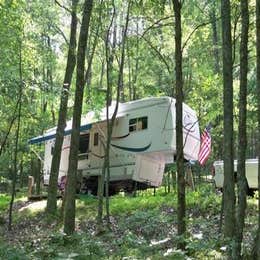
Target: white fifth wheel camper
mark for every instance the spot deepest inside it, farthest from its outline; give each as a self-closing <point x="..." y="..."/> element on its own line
<point x="143" y="141"/>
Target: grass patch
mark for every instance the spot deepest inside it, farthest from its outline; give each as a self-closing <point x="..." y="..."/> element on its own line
<point x="142" y="227"/>
<point x="126" y="205"/>
<point x="8" y="252"/>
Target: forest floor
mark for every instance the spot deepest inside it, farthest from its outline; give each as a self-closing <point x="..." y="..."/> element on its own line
<point x="141" y="227"/>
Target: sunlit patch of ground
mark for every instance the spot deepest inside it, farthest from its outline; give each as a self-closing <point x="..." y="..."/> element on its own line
<point x="142" y="227"/>
<point x="34" y="206"/>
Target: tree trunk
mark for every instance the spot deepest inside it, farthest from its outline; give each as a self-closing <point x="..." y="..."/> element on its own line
<point x="256" y="247"/>
<point x="38" y="176"/>
<point x="229" y="193"/>
<point x="179" y="130"/>
<point x="242" y="141"/>
<point x="14" y="117"/>
<point x="14" y="177"/>
<point x="110" y="125"/>
<point x="215" y="38"/>
<point x="109" y="65"/>
<point x="70" y="191"/>
<point x="100" y="194"/>
<point x="22" y="177"/>
<point x="55" y="165"/>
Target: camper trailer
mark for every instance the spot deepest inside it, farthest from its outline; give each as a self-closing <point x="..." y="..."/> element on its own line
<point x="251" y="171"/>
<point x="143" y="141"/>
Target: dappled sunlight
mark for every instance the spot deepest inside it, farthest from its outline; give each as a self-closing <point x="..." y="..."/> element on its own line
<point x="34" y="207"/>
<point x="141" y="226"/>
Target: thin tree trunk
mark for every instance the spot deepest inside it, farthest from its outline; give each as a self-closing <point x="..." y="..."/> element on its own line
<point x="14" y="177"/>
<point x="10" y="128"/>
<point x="109" y="65"/>
<point x="70" y="191"/>
<point x="120" y="85"/>
<point x="21" y="174"/>
<point x="136" y="67"/>
<point x="256" y="246"/>
<point x="229" y="193"/>
<point x="129" y="71"/>
<point x="215" y="38"/>
<point x="100" y="194"/>
<point x="179" y="130"/>
<point x="242" y="141"/>
<point x="38" y="176"/>
<point x="55" y="165"/>
<point x="92" y="52"/>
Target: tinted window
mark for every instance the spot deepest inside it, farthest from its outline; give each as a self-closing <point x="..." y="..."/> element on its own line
<point x="84" y="143"/>
<point x="137" y="124"/>
<point x="144" y="122"/>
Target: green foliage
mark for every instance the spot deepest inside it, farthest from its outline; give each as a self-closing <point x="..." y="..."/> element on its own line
<point x="205" y="198"/>
<point x="141" y="227"/>
<point x="33" y="53"/>
<point x="121" y="205"/>
<point x="148" y="224"/>
<point x="4" y="202"/>
<point x="11" y="253"/>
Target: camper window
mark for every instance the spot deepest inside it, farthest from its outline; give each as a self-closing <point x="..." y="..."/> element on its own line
<point x="137" y="124"/>
<point x="83" y="143"/>
<point x="132" y="124"/>
<point x="95" y="139"/>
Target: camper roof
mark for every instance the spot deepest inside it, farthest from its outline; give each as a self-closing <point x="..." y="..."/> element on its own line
<point x="86" y="123"/>
<point x="92" y="118"/>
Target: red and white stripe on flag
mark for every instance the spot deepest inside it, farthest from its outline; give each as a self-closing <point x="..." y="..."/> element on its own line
<point x="205" y="147"/>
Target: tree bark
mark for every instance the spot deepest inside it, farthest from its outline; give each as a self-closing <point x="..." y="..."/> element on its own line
<point x="14" y="173"/>
<point x="22" y="177"/>
<point x="109" y="64"/>
<point x="14" y="117"/>
<point x="215" y="38"/>
<point x="179" y="130"/>
<point x="229" y="193"/>
<point x="256" y="247"/>
<point x="70" y="191"/>
<point x="55" y="165"/>
<point x="38" y="176"/>
<point x="242" y="133"/>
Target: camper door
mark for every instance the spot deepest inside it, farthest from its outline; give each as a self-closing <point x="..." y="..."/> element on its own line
<point x="84" y="148"/>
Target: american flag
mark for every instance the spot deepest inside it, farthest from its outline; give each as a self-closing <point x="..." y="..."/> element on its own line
<point x="205" y="147"/>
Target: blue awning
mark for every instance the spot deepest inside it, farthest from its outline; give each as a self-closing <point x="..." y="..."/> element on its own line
<point x="46" y="137"/>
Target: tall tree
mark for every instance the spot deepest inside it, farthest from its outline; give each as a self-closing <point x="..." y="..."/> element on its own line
<point x="55" y="165"/>
<point x="179" y="131"/>
<point x="242" y="140"/>
<point x="215" y="37"/>
<point x="229" y="193"/>
<point x="120" y="86"/>
<point x="14" y="172"/>
<point x="256" y="247"/>
<point x="109" y="53"/>
<point x="70" y="191"/>
<point x="110" y="122"/>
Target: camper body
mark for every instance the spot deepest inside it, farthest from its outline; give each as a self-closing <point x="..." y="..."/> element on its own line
<point x="251" y="168"/>
<point x="143" y="141"/>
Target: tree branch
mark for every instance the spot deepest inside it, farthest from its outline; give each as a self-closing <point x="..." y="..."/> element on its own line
<point x="159" y="54"/>
<point x="157" y="23"/>
<point x="58" y="30"/>
<point x="62" y="6"/>
<point x="194" y="30"/>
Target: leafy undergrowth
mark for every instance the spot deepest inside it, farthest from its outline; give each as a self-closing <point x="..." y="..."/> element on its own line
<point x="142" y="227"/>
<point x="4" y="201"/>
